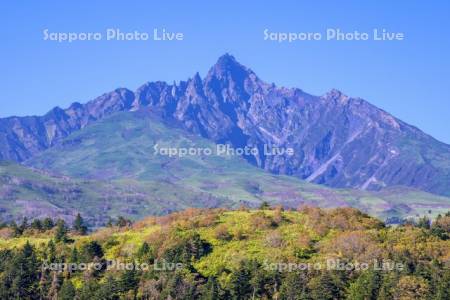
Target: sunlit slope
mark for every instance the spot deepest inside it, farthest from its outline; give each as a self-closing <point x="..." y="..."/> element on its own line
<point x="121" y="150"/>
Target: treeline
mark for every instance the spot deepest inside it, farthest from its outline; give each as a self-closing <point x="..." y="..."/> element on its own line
<point x="182" y="239"/>
<point x="59" y="226"/>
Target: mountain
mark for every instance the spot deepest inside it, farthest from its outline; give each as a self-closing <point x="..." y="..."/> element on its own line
<point x="338" y="141"/>
<point x="120" y="150"/>
<point x="23" y="137"/>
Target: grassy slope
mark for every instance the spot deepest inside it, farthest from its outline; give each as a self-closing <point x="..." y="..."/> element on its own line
<point x="35" y="194"/>
<point x="126" y="178"/>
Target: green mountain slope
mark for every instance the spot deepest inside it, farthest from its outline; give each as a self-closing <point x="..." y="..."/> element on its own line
<point x="32" y="193"/>
<point x="120" y="150"/>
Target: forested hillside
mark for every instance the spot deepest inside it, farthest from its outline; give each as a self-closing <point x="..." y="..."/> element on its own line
<point x="269" y="253"/>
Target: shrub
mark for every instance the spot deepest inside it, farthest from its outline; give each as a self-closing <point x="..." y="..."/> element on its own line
<point x="239" y="234"/>
<point x="260" y="221"/>
<point x="274" y="239"/>
<point x="412" y="287"/>
<point x="6" y="233"/>
<point x="222" y="233"/>
<point x="353" y="245"/>
<point x="278" y="215"/>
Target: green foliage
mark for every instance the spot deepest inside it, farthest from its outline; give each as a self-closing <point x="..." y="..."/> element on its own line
<point x="37" y="224"/>
<point x="90" y="251"/>
<point x="294" y="286"/>
<point x="443" y="286"/>
<point x="89" y="290"/>
<point x="67" y="291"/>
<point x="109" y="290"/>
<point x="123" y="222"/>
<point x="144" y="178"/>
<point x="326" y="285"/>
<point x="128" y="281"/>
<point x="61" y="232"/>
<point x="21" y="276"/>
<point x="47" y="224"/>
<point x="145" y="253"/>
<point x="185" y="249"/>
<point x="232" y="268"/>
<point x="241" y="287"/>
<point x="264" y="205"/>
<point x="79" y="226"/>
<point x="424" y="222"/>
<point x="16" y="229"/>
<point x="366" y="286"/>
<point x="211" y="290"/>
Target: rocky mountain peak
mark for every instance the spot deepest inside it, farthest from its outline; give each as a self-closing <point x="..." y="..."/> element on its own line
<point x="227" y="61"/>
<point x="228" y="68"/>
<point x="338" y="140"/>
<point x="195" y="85"/>
<point x="336" y="95"/>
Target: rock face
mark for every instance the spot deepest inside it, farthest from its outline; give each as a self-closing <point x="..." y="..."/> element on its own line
<point x="22" y="137"/>
<point x="338" y="140"/>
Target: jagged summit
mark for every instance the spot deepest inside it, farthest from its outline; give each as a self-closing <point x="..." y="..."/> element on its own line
<point x="228" y="66"/>
<point x="226" y="60"/>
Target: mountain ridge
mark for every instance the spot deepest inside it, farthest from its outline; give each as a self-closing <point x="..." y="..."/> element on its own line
<point x="120" y="149"/>
<point x="340" y="141"/>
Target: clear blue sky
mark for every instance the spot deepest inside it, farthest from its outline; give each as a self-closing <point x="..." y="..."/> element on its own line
<point x="409" y="78"/>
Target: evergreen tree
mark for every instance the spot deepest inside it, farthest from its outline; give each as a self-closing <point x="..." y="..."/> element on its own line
<point x="89" y="290"/>
<point x="44" y="284"/>
<point x="67" y="291"/>
<point x="443" y="287"/>
<point x="144" y="254"/>
<point x="50" y="253"/>
<point x="79" y="226"/>
<point x="178" y="287"/>
<point x="366" y="286"/>
<point x="74" y="256"/>
<point x="47" y="224"/>
<point x="36" y="224"/>
<point x="21" y="276"/>
<point x="424" y="223"/>
<point x="91" y="250"/>
<point x="61" y="232"/>
<point x="5" y="259"/>
<point x="240" y="282"/>
<point x="24" y="224"/>
<point x="109" y="223"/>
<point x="108" y="290"/>
<point x="54" y="286"/>
<point x="211" y="290"/>
<point x="187" y="248"/>
<point x="388" y="286"/>
<point x="264" y="205"/>
<point x="122" y="222"/>
<point x="16" y="229"/>
<point x="262" y="282"/>
<point x="129" y="280"/>
<point x="326" y="285"/>
<point x="293" y="286"/>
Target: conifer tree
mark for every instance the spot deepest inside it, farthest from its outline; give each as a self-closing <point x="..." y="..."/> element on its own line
<point x="61" y="232"/>
<point x="67" y="291"/>
<point x="79" y="226"/>
<point x="366" y="286"/>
